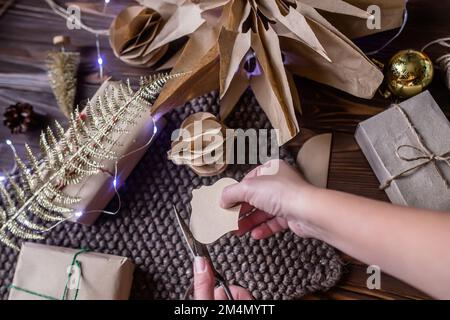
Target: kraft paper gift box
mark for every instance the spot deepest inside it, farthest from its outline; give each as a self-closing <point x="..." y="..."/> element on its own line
<point x="42" y="273"/>
<point x="97" y="190"/>
<point x="408" y="147"/>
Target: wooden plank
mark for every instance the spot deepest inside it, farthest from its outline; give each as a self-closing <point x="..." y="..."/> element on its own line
<point x="29" y="26"/>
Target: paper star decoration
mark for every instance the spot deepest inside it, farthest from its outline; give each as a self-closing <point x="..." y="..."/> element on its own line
<point x="236" y="44"/>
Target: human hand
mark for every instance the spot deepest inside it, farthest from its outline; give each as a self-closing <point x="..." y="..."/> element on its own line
<point x="278" y="194"/>
<point x="204" y="284"/>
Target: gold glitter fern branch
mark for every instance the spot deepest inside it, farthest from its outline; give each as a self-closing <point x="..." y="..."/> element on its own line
<point x="69" y="157"/>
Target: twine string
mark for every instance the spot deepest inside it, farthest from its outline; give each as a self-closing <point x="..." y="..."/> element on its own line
<point x="75" y="262"/>
<point x="443" y="62"/>
<point x="423" y="153"/>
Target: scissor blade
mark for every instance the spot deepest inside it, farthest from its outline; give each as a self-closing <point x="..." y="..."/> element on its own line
<point x="186" y="232"/>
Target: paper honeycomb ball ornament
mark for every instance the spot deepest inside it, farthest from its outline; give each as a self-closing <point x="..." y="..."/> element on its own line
<point x="201" y="145"/>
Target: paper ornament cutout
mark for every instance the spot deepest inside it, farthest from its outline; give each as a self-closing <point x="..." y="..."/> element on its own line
<point x="236" y="44"/>
<point x="201" y="145"/>
<point x="313" y="159"/>
<point x="208" y="220"/>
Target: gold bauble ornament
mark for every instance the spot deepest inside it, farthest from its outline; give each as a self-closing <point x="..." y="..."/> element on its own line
<point x="408" y="73"/>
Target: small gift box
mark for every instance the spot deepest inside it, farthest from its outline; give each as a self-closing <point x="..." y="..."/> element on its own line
<point x="408" y="148"/>
<point x="97" y="190"/>
<point x="55" y="273"/>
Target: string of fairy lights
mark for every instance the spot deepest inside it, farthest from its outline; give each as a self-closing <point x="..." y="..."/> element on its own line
<point x="115" y="182"/>
<point x="63" y="12"/>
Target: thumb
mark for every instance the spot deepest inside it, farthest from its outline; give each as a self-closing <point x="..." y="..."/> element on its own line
<point x="204" y="280"/>
<point x="236" y="193"/>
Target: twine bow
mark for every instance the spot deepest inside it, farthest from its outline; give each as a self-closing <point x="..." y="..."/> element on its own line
<point x="423" y="151"/>
<point x="74" y="263"/>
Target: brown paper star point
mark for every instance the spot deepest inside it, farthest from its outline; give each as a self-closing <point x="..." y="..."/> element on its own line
<point x="285" y="37"/>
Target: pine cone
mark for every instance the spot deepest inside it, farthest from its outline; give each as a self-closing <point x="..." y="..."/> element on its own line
<point x="19" y="117"/>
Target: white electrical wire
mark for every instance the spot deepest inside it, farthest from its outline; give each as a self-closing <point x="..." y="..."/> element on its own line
<point x="115" y="180"/>
<point x="14" y="168"/>
<point x="62" y="12"/>
<point x="405" y="20"/>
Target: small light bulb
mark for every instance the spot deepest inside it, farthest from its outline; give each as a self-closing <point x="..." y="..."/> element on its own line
<point x="107" y="1"/>
<point x="78" y="214"/>
<point x="100" y="60"/>
<point x="8" y="142"/>
<point x="155" y="129"/>
<point x="115" y="183"/>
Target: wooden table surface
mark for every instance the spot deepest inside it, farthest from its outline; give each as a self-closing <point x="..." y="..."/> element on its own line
<point x="26" y="32"/>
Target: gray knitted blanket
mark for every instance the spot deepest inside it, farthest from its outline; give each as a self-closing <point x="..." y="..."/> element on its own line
<point x="282" y="267"/>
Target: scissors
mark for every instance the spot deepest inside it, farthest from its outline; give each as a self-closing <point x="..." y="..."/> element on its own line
<point x="200" y="250"/>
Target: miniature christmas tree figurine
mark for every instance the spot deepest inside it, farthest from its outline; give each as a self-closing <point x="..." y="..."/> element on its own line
<point x="62" y="72"/>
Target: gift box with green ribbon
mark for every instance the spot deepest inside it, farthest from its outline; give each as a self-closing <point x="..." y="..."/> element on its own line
<point x="55" y="273"/>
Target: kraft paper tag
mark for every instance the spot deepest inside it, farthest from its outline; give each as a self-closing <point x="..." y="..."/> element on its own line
<point x="209" y="221"/>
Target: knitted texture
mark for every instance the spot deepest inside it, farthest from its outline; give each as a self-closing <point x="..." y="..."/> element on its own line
<point x="281" y="267"/>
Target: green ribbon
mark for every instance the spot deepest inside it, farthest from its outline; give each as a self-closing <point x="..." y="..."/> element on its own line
<point x="75" y="262"/>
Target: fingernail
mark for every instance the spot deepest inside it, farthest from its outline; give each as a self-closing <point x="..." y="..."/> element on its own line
<point x="199" y="264"/>
<point x="256" y="234"/>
